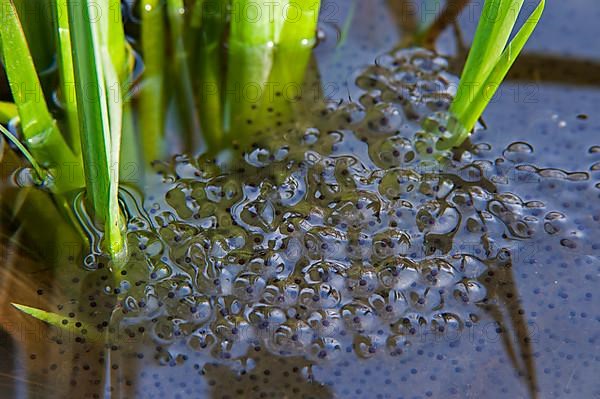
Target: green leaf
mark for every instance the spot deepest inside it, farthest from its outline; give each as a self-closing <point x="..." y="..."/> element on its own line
<point x="100" y="117"/>
<point x="42" y="136"/>
<point x="494" y="28"/>
<point x="488" y="63"/>
<point x="500" y="69"/>
<point x="42" y="174"/>
<point x="123" y="60"/>
<point x="301" y="31"/>
<point x="36" y="18"/>
<point x="197" y="14"/>
<point x="117" y="45"/>
<point x="65" y="68"/>
<point x="54" y="319"/>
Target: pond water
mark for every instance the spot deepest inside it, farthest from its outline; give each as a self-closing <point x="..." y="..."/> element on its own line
<point x="344" y="257"/>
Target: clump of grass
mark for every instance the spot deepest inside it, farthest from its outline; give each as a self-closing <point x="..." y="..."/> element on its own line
<point x="91" y="54"/>
<point x="94" y="132"/>
<point x="40" y="131"/>
<point x="488" y="62"/>
<point x="99" y="53"/>
<point x="94" y="55"/>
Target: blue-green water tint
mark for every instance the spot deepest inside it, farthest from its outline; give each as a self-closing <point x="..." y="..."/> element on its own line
<point x="468" y="318"/>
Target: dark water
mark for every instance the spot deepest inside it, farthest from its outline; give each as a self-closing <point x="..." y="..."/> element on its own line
<point x="344" y="257"/>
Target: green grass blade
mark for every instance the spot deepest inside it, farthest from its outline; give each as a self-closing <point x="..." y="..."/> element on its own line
<point x="114" y="224"/>
<point x="117" y="70"/>
<point x="95" y="125"/>
<point x="22" y="76"/>
<point x="487" y="64"/>
<point x="123" y="61"/>
<point x="301" y="31"/>
<point x="54" y="319"/>
<point x="36" y="19"/>
<point x="67" y="78"/>
<point x="117" y="45"/>
<point x="152" y="95"/>
<point x="194" y="28"/>
<point x="8" y="111"/>
<point x="113" y="54"/>
<point x="197" y="14"/>
<point x="38" y="169"/>
<point x="42" y="136"/>
<point x="493" y="31"/>
<point x="501" y="68"/>
<point x="100" y="119"/>
<point x="129" y="159"/>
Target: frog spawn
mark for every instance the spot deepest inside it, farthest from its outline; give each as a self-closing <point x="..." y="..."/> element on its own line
<point x="350" y="232"/>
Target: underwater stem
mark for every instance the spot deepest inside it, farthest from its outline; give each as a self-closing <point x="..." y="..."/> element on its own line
<point x="152" y="93"/>
<point x="184" y="95"/>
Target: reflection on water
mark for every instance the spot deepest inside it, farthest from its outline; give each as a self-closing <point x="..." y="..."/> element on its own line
<point x="337" y="259"/>
<point x="267" y="376"/>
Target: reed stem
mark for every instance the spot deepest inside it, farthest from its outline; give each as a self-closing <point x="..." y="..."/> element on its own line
<point x="101" y="119"/>
<point x="490" y="58"/>
<point x="152" y="96"/>
<point x="42" y="136"/>
<point x="209" y="20"/>
<point x="67" y="79"/>
<point x="250" y="58"/>
<point x="184" y="94"/>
